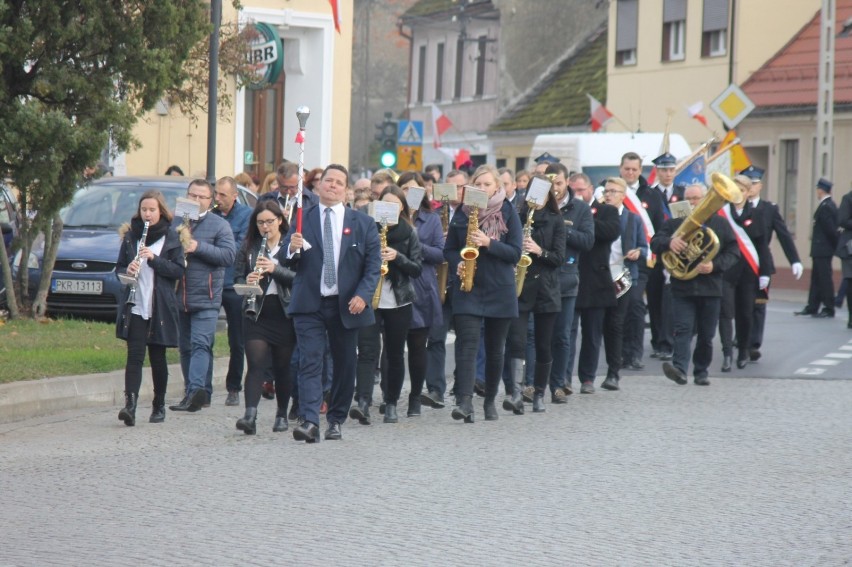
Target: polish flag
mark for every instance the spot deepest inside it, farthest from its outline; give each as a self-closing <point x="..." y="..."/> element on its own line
<point x="600" y="114"/>
<point x="440" y="124"/>
<point x="335" y="11"/>
<point x="695" y="112"/>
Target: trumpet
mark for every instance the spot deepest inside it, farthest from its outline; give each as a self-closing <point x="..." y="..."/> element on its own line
<point x="251" y="302"/>
<point x="526" y="260"/>
<point x="132" y="281"/>
<point x="470" y="252"/>
<point x="383" y="270"/>
<point x="443" y="269"/>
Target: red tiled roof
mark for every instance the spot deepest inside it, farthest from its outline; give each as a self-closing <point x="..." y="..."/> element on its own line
<point x="790" y="77"/>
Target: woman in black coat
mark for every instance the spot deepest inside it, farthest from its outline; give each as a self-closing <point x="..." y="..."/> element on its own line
<point x="541" y="295"/>
<point x="270" y="336"/>
<point x="393" y="315"/>
<point x="150" y="318"/>
<point x="492" y="303"/>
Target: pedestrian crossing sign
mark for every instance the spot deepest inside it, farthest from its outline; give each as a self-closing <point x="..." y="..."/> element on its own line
<point x="410" y="133"/>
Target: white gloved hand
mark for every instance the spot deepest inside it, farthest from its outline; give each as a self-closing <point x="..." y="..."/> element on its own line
<point x="798" y="270"/>
<point x="763" y="282"/>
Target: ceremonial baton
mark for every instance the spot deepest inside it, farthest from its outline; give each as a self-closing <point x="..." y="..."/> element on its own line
<point x="302" y="114"/>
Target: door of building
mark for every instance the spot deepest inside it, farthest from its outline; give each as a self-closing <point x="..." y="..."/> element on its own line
<point x="264" y="129"/>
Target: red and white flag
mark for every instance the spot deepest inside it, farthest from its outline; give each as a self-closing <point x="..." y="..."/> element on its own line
<point x="600" y="114"/>
<point x="335" y="12"/>
<point x="440" y="124"/>
<point x="695" y="112"/>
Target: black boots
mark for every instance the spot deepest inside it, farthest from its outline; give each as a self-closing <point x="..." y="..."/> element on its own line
<point x="128" y="412"/>
<point x="464" y="409"/>
<point x="515" y="403"/>
<point x="542" y="377"/>
<point x="390" y="413"/>
<point x="414" y="405"/>
<point x="248" y="423"/>
<point x="726" y="362"/>
<point x="281" y="423"/>
<point x="490" y="410"/>
<point x="158" y="409"/>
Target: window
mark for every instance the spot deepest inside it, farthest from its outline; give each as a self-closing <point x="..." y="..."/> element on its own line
<point x="714" y="36"/>
<point x="789" y="181"/>
<point x="626" y="22"/>
<point x="674" y="30"/>
<point x="457" y="94"/>
<point x="439" y="73"/>
<point x="421" y="74"/>
<point x="520" y="163"/>
<point x="480" y="65"/>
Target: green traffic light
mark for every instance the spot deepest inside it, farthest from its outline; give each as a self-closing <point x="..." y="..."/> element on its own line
<point x="388" y="159"/>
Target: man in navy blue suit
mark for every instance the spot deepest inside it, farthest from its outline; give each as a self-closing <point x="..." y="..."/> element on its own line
<point x="336" y="258"/>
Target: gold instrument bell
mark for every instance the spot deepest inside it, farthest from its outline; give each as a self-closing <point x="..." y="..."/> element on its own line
<point x="702" y="244"/>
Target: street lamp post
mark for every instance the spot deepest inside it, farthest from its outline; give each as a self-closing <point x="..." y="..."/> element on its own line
<point x="212" y="90"/>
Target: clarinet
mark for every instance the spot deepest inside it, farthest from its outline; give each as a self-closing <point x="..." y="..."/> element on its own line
<point x="251" y="303"/>
<point x="131" y="297"/>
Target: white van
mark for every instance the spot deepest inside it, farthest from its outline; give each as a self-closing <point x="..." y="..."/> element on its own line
<point x="598" y="155"/>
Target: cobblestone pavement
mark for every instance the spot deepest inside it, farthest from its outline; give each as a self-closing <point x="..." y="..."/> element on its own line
<point x="745" y="472"/>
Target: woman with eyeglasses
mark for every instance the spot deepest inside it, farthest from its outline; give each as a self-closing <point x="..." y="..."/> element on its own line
<point x="269" y="334"/>
<point x="150" y="319"/>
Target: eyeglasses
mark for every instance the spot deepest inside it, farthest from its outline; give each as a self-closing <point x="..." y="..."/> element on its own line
<point x="611" y="191"/>
<point x="198" y="197"/>
<point x="266" y="222"/>
<point x="288" y="187"/>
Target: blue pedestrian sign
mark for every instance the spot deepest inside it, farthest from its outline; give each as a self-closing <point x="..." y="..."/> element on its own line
<point x="410" y="133"/>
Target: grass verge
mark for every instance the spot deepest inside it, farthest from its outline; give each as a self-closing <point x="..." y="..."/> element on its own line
<point x="31" y="350"/>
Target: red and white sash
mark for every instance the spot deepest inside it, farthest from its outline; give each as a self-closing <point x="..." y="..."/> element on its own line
<point x="635" y="205"/>
<point x="747" y="249"/>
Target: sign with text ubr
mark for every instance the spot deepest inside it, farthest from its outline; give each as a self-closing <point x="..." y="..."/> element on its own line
<point x="266" y="56"/>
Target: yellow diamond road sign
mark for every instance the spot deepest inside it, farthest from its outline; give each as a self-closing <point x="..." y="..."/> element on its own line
<point x="732" y="106"/>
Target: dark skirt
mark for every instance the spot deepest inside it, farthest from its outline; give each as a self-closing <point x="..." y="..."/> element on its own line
<point x="270" y="323"/>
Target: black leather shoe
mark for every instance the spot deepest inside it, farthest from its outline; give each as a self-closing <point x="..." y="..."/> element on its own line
<point x="181" y="405"/>
<point x="538" y="403"/>
<point x="742" y="360"/>
<point x="233" y="398"/>
<point x="128" y="412"/>
<point x="633" y="365"/>
<point x="333" y="432"/>
<point x="382" y="407"/>
<point x="673" y="373"/>
<point x="281" y="424"/>
<point x="158" y="409"/>
<point x="490" y="410"/>
<point x="432" y="399"/>
<point x="610" y="383"/>
<point x="390" y="413"/>
<point x="726" y="363"/>
<point x="464" y="410"/>
<point x="293" y="414"/>
<point x="248" y="423"/>
<point x="754" y="354"/>
<point x="805" y="311"/>
<point x="701" y="381"/>
<point x="824" y="314"/>
<point x="413" y="406"/>
<point x="361" y="412"/>
<point x="196" y="400"/>
<point x="307" y="432"/>
<point x="479" y="389"/>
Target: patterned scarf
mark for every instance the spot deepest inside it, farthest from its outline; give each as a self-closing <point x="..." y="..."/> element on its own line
<point x="491" y="220"/>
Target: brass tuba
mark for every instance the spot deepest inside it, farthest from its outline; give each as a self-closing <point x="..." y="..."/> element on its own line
<point x="383" y="270"/>
<point x="702" y="242"/>
<point x="526" y="260"/>
<point x="470" y="252"/>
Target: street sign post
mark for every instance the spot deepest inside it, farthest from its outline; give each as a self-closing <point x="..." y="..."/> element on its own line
<point x="409" y="144"/>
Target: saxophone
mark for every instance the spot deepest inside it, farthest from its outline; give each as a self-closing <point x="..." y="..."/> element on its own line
<point x="443" y="269"/>
<point x="251" y="302"/>
<point x="131" y="297"/>
<point x="470" y="252"/>
<point x="526" y="260"/>
<point x="383" y="240"/>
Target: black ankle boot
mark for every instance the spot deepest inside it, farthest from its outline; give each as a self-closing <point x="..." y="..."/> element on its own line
<point x="515" y="404"/>
<point x="281" y="423"/>
<point x="248" y="423"/>
<point x="128" y="412"/>
<point x="158" y="409"/>
<point x="538" y="402"/>
<point x="414" y="405"/>
<point x="464" y="410"/>
<point x="390" y="413"/>
<point x="490" y="410"/>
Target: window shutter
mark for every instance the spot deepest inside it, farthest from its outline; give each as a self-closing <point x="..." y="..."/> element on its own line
<point x="627" y="19"/>
<point x="674" y="11"/>
<point x="715" y="15"/>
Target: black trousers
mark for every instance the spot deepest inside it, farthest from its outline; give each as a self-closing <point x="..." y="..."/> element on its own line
<point x="591" y="333"/>
<point x="233" y="306"/>
<point x="392" y="325"/>
<point x="634" y="318"/>
<point x="417" y="359"/>
<point x="543" y="330"/>
<point x="694" y="316"/>
<point x="467" y="340"/>
<point x="821" y="292"/>
<point x="614" y="331"/>
<point x="137" y="334"/>
<point x="660" y="327"/>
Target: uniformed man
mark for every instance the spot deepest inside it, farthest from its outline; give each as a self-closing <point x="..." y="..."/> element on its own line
<point x="823" y="244"/>
<point x="542" y="161"/>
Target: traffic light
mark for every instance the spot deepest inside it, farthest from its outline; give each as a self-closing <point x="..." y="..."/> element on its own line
<point x="387" y="141"/>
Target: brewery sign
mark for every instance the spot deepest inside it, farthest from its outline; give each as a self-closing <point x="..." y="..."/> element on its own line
<point x="266" y="57"/>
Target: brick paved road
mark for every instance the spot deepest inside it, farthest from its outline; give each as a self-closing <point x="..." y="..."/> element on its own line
<point x="745" y="472"/>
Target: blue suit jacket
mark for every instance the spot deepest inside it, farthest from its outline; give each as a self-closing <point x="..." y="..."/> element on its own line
<point x="357" y="268"/>
<point x="635" y="238"/>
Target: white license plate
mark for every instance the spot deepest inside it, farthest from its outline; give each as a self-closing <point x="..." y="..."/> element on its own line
<point x="93" y="287"/>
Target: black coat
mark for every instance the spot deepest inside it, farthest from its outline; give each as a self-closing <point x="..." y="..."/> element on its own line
<point x="844" y="226"/>
<point x="824" y="240"/>
<point x="168" y="268"/>
<point x="653" y="203"/>
<point x="408" y="263"/>
<point x="754" y="225"/>
<point x="596" y="287"/>
<point x="541" y="285"/>
<point x="702" y="285"/>
<point x="775" y="222"/>
<point x="677" y="196"/>
<point x="283" y="276"/>
<point x="579" y="238"/>
<point x="494" y="293"/>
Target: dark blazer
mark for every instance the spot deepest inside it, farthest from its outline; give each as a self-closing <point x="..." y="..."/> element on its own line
<point x="824" y="241"/>
<point x="677" y="196"/>
<point x="168" y="269"/>
<point x="754" y="225"/>
<point x="283" y="276"/>
<point x="703" y="285"/>
<point x="775" y="222"/>
<point x="844" y="224"/>
<point x="408" y="262"/>
<point x="541" y="292"/>
<point x="357" y="269"/>
<point x="579" y="237"/>
<point x="653" y="203"/>
<point x="427" y="305"/>
<point x="493" y="293"/>
<point x="632" y="237"/>
<point x="596" y="287"/>
<point x="308" y="198"/>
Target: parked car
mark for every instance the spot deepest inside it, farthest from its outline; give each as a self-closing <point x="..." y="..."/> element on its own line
<point x="84" y="282"/>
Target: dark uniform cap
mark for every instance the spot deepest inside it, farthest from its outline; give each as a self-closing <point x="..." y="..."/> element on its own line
<point x="753" y="172"/>
<point x="546" y="158"/>
<point x="664" y="161"/>
<point x="825" y="184"/>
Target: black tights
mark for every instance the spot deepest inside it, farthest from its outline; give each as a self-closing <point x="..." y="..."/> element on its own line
<point x="136" y="336"/>
<point x="467" y="344"/>
<point x="417" y="359"/>
<point x="260" y="355"/>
